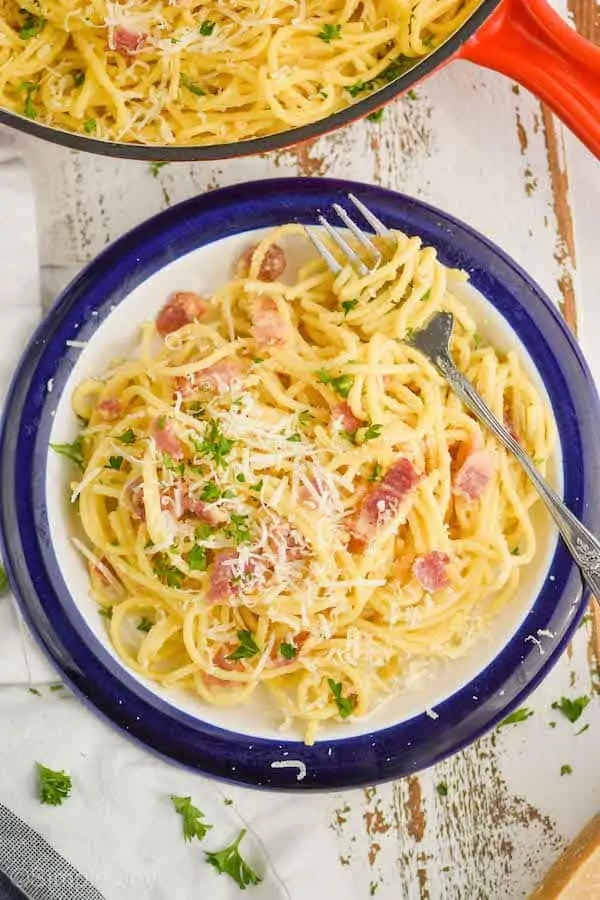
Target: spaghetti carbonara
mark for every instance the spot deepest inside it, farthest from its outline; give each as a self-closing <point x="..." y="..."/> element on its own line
<point x="279" y="490"/>
<point x="196" y="72"/>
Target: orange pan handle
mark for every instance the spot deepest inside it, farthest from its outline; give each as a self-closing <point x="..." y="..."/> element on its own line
<point x="528" y="41"/>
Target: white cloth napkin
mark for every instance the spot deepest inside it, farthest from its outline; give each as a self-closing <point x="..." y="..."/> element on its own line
<point x="20" y="309"/>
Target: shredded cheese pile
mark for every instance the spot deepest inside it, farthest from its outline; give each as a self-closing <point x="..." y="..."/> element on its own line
<point x="194" y="72"/>
<point x="279" y="490"/>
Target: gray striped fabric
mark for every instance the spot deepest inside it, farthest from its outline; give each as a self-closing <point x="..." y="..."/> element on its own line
<point x="30" y="869"/>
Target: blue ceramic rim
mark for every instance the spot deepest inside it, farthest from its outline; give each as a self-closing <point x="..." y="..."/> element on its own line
<point x="389" y="753"/>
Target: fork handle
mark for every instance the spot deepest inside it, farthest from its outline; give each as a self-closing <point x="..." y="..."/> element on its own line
<point x="583" y="546"/>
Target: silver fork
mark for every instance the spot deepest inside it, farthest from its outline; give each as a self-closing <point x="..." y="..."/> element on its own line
<point x="433" y="341"/>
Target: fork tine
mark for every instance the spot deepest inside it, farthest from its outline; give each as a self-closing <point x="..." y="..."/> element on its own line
<point x="344" y="246"/>
<point x="371" y="218"/>
<point x="322" y="250"/>
<point x="358" y="234"/>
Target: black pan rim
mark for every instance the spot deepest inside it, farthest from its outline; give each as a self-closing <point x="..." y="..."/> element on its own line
<point x="281" y="140"/>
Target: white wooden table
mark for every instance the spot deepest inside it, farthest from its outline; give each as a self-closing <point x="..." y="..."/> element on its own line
<point x="477" y="146"/>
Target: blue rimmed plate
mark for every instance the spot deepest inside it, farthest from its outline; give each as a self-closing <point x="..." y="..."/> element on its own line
<point x="191" y="246"/>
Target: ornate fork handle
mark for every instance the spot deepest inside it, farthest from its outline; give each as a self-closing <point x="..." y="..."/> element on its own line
<point x="584" y="547"/>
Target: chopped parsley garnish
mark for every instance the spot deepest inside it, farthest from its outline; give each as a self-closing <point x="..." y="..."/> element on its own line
<point x="519" y="715"/>
<point x="258" y="359"/>
<point x="106" y="612"/>
<point x="329" y="33"/>
<point x="128" y="437"/>
<point x="229" y="862"/>
<point x="377" y="473"/>
<point x="566" y="769"/>
<point x="348" y="306"/>
<point x="304" y="417"/>
<point x="442" y="789"/>
<point x="345" y="705"/>
<point x="376" y="116"/>
<point x="155" y="168"/>
<point x="72" y="451"/>
<point x="247" y="648"/>
<point x="372" y="432"/>
<point x="237" y="530"/>
<point x="145" y="624"/>
<point x="198" y="558"/>
<point x="203" y="531"/>
<point x="477" y="341"/>
<point x="515" y="551"/>
<point x="410" y="335"/>
<point x="31" y="27"/>
<point x="214" y="444"/>
<point x="167" y="572"/>
<point x="34" y="691"/>
<point x="194" y="88"/>
<point x="210" y="492"/>
<point x="572" y="709"/>
<point x="53" y="787"/>
<point x="114" y="462"/>
<point x="295" y="438"/>
<point x="581" y="730"/>
<point x="30" y="88"/>
<point x="395" y="69"/>
<point x="172" y="466"/>
<point x="3" y="579"/>
<point x="78" y="76"/>
<point x="257" y="487"/>
<point x="89" y="125"/>
<point x="207" y="28"/>
<point x="191" y="816"/>
<point x="342" y="385"/>
<point x="241" y="478"/>
<point x="288" y="651"/>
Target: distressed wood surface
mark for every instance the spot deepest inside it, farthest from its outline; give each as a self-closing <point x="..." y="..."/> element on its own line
<point x="487" y="151"/>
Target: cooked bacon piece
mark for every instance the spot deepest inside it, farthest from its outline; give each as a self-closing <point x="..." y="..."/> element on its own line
<point x="272" y="266"/>
<point x="221" y="577"/>
<point x="230" y="665"/>
<point x="474" y="475"/>
<point x="218" y="378"/>
<point x="166" y="439"/>
<point x="268" y="327"/>
<point x="343" y="415"/>
<point x="210" y="514"/>
<point x="382" y="502"/>
<point x="125" y="42"/>
<point x="181" y="309"/>
<point x="134" y="491"/>
<point x="287" y="542"/>
<point x="109" y="408"/>
<point x="430" y="570"/>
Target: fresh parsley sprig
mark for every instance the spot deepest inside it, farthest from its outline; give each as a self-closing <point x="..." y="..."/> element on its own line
<point x="53" y="787"/>
<point x="3" y="580"/>
<point x="329" y="33"/>
<point x="230" y="862"/>
<point x="72" y="451"/>
<point x="341" y="384"/>
<point x="519" y="715"/>
<point x="247" y="647"/>
<point x="345" y="705"/>
<point x="571" y="709"/>
<point x="191" y="816"/>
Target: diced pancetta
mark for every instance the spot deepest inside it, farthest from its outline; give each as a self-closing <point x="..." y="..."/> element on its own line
<point x="474" y="475"/>
<point x="382" y="502"/>
<point x="181" y="309"/>
<point x="134" y="492"/>
<point x="125" y="42"/>
<point x="207" y="512"/>
<point x="218" y="378"/>
<point x="342" y="416"/>
<point x="110" y="408"/>
<point x="271" y="267"/>
<point x="221" y="577"/>
<point x="166" y="440"/>
<point x="268" y="326"/>
<point x="430" y="570"/>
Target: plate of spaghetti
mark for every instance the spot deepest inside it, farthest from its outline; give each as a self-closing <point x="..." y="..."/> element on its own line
<point x="257" y="530"/>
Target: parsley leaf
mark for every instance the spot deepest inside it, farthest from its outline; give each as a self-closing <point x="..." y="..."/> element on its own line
<point x="155" y="168"/>
<point x="214" y="444"/>
<point x="89" y="125"/>
<point x="377" y="473"/>
<point x="207" y="28"/>
<point x="203" y="531"/>
<point x="330" y="33"/>
<point x="477" y="341"/>
<point x="572" y="709"/>
<point x="31" y="89"/>
<point x="198" y="558"/>
<point x="348" y="306"/>
<point x="128" y="437"/>
<point x="191" y="815"/>
<point x="106" y="612"/>
<point x="31" y="27"/>
<point x="519" y="715"/>
<point x="170" y="464"/>
<point x="566" y="769"/>
<point x="376" y="116"/>
<point x="342" y="385"/>
<point x="295" y="438"/>
<point x="165" y="571"/>
<point x="78" y="76"/>
<point x="258" y="486"/>
<point x="345" y="705"/>
<point x="229" y="862"/>
<point x="72" y="451"/>
<point x="372" y="432"/>
<point x="581" y="730"/>
<point x="114" y="462"/>
<point x="238" y="530"/>
<point x="442" y="789"/>
<point x="145" y="624"/>
<point x="3" y="579"/>
<point x="194" y="88"/>
<point x="395" y="69"/>
<point x="304" y="417"/>
<point x="210" y="492"/>
<point x="288" y="651"/>
<point x="53" y="787"/>
<point x="247" y="648"/>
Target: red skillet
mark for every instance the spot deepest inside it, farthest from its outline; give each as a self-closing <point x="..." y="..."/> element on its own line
<point x="525" y="39"/>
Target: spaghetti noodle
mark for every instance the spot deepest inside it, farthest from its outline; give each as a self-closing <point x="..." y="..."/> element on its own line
<point x="281" y="491"/>
<point x="194" y="72"/>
